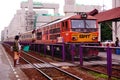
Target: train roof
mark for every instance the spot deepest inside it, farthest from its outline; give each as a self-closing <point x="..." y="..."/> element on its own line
<point x="27" y="32"/>
<point x="56" y="21"/>
<point x="69" y="17"/>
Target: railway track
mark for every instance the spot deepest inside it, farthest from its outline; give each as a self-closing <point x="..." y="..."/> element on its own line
<point x="50" y="72"/>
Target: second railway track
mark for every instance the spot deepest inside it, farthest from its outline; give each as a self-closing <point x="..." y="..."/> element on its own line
<point x="50" y="72"/>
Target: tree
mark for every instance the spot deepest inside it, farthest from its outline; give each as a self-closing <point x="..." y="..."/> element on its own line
<point x="106" y="31"/>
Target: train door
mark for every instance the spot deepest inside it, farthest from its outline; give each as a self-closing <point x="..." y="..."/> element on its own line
<point x="45" y="34"/>
<point x="65" y="33"/>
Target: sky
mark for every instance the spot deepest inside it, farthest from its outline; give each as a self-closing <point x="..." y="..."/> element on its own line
<point x="8" y="8"/>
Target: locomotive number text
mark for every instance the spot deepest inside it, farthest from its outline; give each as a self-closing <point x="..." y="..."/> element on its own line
<point x="84" y="36"/>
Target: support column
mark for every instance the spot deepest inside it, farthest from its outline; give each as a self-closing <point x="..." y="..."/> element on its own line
<point x="30" y="5"/>
<point x="109" y="62"/>
<point x="116" y="29"/>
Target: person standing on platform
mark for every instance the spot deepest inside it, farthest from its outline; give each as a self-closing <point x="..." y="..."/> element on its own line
<point x="16" y="49"/>
<point x="117" y="42"/>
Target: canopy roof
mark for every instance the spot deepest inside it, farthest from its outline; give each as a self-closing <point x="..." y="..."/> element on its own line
<point x="109" y="15"/>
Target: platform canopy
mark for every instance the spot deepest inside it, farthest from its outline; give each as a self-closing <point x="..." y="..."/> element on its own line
<point x="109" y="15"/>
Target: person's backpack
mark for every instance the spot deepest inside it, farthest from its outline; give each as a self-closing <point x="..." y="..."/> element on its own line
<point x="15" y="47"/>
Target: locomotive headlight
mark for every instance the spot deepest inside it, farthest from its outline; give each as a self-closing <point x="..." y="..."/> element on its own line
<point x="66" y="34"/>
<point x="74" y="38"/>
<point x="94" y="38"/>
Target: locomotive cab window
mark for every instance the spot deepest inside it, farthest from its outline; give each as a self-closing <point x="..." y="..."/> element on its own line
<point x="83" y="25"/>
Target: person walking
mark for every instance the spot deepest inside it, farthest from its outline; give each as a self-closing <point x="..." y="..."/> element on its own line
<point x="16" y="49"/>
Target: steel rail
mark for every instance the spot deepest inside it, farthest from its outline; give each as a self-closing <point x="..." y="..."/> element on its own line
<point x="38" y="69"/>
<point x="72" y="75"/>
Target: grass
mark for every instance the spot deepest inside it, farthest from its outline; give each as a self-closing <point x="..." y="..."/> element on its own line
<point x="97" y="76"/>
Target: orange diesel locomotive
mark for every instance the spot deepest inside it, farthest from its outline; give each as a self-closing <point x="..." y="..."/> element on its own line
<point x="80" y="28"/>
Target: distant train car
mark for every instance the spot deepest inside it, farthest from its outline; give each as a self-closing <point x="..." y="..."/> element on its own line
<point x="27" y="37"/>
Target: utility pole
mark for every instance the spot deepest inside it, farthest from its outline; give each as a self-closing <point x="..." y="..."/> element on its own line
<point x="103" y="6"/>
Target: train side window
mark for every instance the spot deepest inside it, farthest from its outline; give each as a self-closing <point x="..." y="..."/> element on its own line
<point x="54" y="36"/>
<point x="57" y="30"/>
<point x="39" y="35"/>
<point x="51" y="31"/>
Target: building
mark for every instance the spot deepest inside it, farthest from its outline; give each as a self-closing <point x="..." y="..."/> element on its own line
<point x="31" y="15"/>
<point x="4" y="34"/>
<point x="71" y="7"/>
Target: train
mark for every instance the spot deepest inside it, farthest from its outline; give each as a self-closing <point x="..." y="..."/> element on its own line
<point x="75" y="29"/>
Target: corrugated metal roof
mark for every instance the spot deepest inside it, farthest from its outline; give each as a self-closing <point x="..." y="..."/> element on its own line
<point x="109" y="15"/>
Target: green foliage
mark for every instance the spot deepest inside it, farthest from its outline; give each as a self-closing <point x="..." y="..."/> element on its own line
<point x="37" y="3"/>
<point x="106" y="31"/>
<point x="99" y="76"/>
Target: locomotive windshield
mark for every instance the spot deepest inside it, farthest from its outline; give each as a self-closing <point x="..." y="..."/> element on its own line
<point x="83" y="23"/>
<point x="79" y="25"/>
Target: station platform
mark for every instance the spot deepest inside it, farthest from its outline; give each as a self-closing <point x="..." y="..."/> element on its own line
<point x="7" y="71"/>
